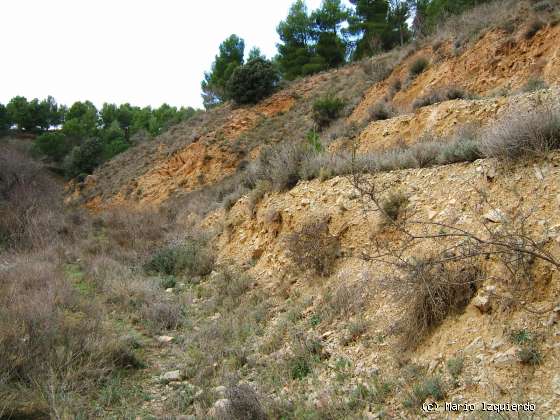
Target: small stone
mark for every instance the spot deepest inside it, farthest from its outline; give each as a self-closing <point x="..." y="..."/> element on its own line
<point x="216" y="316"/>
<point x="164" y="339"/>
<point x="432" y="214"/>
<point x="538" y="173"/>
<point x="174" y="375"/>
<point x="170" y="290"/>
<point x="476" y="345"/>
<point x="220" y="391"/>
<point x="495" y="216"/>
<point x="219" y="408"/>
<point x="506" y="358"/>
<point x="483" y="303"/>
<point x="556" y="384"/>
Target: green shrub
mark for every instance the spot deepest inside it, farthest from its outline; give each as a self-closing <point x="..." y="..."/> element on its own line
<point x="55" y="145"/>
<point x="455" y="366"/>
<point x="521" y="337"/>
<point x="314" y="141"/>
<point x="307" y="351"/>
<point x="168" y="282"/>
<point x="418" y="66"/>
<point x="429" y="387"/>
<point x="84" y="158"/>
<point x="252" y="81"/>
<point x="326" y="110"/>
<point x="114" y="148"/>
<point x="530" y="355"/>
<point x="300" y="367"/>
<point x="534" y="84"/>
<point x="190" y="258"/>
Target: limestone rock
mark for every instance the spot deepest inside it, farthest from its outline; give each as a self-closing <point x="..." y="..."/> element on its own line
<point x="506" y="358"/>
<point x="220" y="408"/>
<point x="495" y="216"/>
<point x="220" y="391"/>
<point x="483" y="303"/>
<point x="164" y="339"/>
<point x="476" y="345"/>
<point x="173" y="375"/>
<point x="556" y="384"/>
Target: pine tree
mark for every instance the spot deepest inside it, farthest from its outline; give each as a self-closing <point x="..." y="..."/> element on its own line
<point x="330" y="45"/>
<point x="214" y="85"/>
<point x="369" y="23"/>
<point x="399" y="13"/>
<point x="296" y="33"/>
<point x="5" y="122"/>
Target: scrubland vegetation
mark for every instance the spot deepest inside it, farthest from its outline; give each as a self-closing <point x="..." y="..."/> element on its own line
<point x="104" y="313"/>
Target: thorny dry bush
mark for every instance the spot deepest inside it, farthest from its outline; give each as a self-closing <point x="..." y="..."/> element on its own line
<point x="430" y="292"/>
<point x="313" y="247"/>
<point x="29" y="210"/>
<point x="440" y="264"/>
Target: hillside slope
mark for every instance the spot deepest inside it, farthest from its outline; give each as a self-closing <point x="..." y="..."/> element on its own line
<point x="429" y="276"/>
<point x="209" y="148"/>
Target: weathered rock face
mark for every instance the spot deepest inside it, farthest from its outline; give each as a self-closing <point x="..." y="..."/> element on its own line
<point x="204" y="151"/>
<point x="497" y="61"/>
<point x="452" y="194"/>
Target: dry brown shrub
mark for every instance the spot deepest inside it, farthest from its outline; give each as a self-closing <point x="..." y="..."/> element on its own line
<point x="519" y="133"/>
<point x="313" y="247"/>
<point x="162" y="315"/>
<point x="53" y="341"/>
<point x="133" y="233"/>
<point x="435" y="96"/>
<point x="243" y="404"/>
<point x="431" y="291"/>
<point x="30" y="203"/>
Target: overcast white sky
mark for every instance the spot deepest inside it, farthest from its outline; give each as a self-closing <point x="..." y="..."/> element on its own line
<point x="145" y="52"/>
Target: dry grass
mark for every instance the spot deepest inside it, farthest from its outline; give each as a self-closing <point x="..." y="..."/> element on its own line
<point x="345" y="300"/>
<point x="470" y="25"/>
<point x="393" y="206"/>
<point x="279" y="165"/>
<point x="429" y="151"/>
<point x="520" y="133"/>
<point x="55" y="346"/>
<point x="440" y="95"/>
